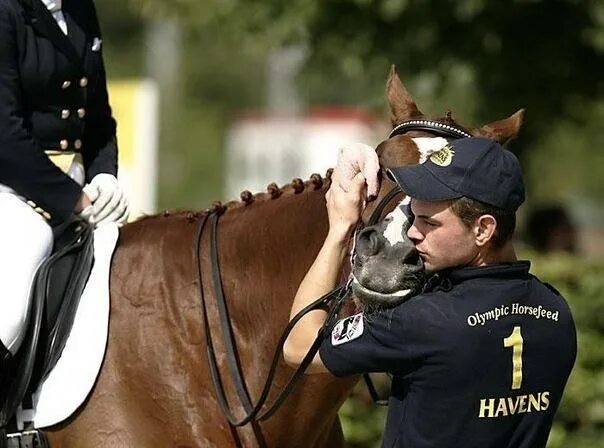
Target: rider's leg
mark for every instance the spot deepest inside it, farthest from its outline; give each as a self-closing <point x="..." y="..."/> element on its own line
<point x="25" y="241"/>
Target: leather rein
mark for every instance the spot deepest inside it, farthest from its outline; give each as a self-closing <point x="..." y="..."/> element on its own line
<point x="332" y="300"/>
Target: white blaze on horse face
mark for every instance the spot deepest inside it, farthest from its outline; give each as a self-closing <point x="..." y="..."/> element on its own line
<point x="394" y="232"/>
<point x="428" y="146"/>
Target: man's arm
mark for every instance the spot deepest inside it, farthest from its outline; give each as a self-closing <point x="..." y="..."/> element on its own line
<point x="344" y="206"/>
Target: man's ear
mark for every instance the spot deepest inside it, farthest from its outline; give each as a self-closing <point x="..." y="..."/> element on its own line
<point x="484" y="229"/>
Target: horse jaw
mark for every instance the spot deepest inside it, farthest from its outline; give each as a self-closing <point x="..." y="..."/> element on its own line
<point x="370" y="299"/>
<point x="374" y="299"/>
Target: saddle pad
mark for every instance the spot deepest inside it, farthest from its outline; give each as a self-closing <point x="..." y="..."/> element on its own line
<point x="72" y="379"/>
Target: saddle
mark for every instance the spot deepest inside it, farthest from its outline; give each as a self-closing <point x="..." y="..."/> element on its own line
<point x="56" y="291"/>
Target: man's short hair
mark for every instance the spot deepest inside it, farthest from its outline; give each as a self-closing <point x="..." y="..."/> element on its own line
<point x="469" y="210"/>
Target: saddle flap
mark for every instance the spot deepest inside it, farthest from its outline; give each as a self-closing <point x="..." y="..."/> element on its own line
<point x="57" y="288"/>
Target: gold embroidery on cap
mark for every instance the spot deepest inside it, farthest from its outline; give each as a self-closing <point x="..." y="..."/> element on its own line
<point x="443" y="157"/>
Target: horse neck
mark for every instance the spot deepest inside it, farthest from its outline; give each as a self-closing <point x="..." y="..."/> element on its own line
<point x="265" y="249"/>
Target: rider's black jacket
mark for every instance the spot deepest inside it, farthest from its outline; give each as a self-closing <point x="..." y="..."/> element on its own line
<point x="53" y="96"/>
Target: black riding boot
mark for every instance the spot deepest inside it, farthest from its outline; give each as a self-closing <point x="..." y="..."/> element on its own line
<point x="5" y="357"/>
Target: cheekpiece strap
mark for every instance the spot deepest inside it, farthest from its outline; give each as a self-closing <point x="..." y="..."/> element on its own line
<point x="440" y="129"/>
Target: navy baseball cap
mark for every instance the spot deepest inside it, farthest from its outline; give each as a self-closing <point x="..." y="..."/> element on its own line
<point x="476" y="167"/>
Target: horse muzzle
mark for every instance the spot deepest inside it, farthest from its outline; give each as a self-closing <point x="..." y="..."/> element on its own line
<point x="384" y="285"/>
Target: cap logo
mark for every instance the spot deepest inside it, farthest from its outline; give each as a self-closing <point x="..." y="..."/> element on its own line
<point x="444" y="157"/>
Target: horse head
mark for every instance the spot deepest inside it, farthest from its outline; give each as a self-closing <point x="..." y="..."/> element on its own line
<point x="386" y="268"/>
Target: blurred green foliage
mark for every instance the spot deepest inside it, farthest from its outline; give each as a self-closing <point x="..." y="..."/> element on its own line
<point x="541" y="54"/>
<point x="579" y="422"/>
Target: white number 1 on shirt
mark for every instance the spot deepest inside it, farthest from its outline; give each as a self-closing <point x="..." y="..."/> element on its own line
<point x="515" y="341"/>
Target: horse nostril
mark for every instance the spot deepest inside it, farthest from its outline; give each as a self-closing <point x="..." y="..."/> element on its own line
<point x="368" y="242"/>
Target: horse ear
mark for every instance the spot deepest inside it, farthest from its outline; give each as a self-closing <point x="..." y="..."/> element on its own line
<point x="502" y="130"/>
<point x="402" y="106"/>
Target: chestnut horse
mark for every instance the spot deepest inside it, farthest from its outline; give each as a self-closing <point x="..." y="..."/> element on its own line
<point x="154" y="389"/>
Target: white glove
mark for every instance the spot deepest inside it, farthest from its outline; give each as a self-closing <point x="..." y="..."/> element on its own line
<point x="354" y="158"/>
<point x="109" y="204"/>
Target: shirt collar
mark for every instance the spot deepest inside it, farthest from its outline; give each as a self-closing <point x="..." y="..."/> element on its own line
<point x="445" y="280"/>
<point x="53" y="5"/>
<point x="514" y="269"/>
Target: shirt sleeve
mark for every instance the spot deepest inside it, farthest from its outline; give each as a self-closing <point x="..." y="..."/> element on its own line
<point x="392" y="340"/>
<point x="365" y="343"/>
<point x="23" y="165"/>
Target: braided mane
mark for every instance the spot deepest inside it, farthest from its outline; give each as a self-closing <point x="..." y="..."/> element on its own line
<point x="247" y="198"/>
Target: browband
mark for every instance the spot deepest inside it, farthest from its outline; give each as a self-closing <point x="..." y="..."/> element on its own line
<point x="442" y="129"/>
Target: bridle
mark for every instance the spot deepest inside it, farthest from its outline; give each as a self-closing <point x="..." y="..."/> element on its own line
<point x="435" y="127"/>
<point x="333" y="301"/>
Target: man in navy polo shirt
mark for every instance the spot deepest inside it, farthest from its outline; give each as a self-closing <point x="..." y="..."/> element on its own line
<point x="481" y="357"/>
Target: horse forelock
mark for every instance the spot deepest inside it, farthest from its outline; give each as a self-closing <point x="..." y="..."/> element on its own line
<point x="448" y="119"/>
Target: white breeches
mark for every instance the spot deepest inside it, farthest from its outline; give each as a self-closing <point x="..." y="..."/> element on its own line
<point x="25" y="241"/>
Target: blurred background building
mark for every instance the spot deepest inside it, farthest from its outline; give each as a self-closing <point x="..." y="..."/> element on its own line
<point x="263" y="148"/>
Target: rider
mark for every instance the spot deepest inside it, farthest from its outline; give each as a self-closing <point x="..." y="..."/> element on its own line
<point x="481" y="356"/>
<point x="58" y="150"/>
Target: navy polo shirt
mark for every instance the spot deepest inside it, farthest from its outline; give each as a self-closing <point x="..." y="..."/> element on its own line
<point x="478" y="360"/>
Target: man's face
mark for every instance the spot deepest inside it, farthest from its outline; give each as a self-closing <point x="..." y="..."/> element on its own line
<point x="440" y="237"/>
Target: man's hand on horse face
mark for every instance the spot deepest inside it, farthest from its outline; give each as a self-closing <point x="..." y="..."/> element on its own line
<point x="344" y="207"/>
<point x="354" y="158"/>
